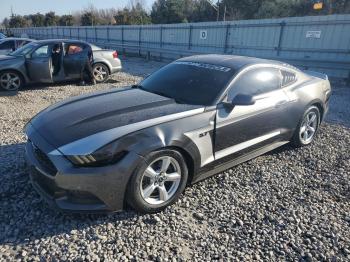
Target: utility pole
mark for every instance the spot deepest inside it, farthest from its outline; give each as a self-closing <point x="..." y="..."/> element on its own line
<point x="330" y="9"/>
<point x="218" y="11"/>
<point x="225" y="13"/>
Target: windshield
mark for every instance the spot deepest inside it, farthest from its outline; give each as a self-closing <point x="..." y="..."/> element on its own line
<point x="24" y="50"/>
<point x="189" y="82"/>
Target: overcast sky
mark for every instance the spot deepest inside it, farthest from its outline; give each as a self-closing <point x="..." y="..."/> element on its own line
<point x="24" y="7"/>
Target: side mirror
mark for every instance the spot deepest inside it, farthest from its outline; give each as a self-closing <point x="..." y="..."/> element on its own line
<point x="243" y="100"/>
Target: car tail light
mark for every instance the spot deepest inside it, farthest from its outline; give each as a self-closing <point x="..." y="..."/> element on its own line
<point x="115" y="54"/>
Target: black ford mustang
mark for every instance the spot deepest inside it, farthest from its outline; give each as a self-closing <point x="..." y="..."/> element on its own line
<point x="191" y="119"/>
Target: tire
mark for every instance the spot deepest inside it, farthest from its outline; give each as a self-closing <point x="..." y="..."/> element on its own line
<point x="145" y="192"/>
<point x="11" y="80"/>
<point x="307" y="129"/>
<point x="100" y="72"/>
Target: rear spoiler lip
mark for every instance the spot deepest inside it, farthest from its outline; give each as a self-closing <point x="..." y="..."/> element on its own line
<point x="316" y="74"/>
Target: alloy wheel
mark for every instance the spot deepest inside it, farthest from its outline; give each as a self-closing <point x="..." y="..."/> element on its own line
<point x="10" y="81"/>
<point x="100" y="73"/>
<point x="308" y="127"/>
<point x="160" y="180"/>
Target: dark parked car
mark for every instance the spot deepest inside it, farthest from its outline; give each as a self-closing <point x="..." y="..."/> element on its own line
<point x="191" y="119"/>
<point x="33" y="63"/>
<point x="2" y="36"/>
<point x="8" y="45"/>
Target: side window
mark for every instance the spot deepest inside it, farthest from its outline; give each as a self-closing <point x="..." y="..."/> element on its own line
<point x="8" y="45"/>
<point x="256" y="82"/>
<point x="42" y="51"/>
<point x="73" y="49"/>
<point x="288" y="78"/>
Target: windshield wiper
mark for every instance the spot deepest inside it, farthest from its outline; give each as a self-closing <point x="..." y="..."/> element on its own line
<point x="137" y="86"/>
<point x="178" y="101"/>
<point x="150" y="91"/>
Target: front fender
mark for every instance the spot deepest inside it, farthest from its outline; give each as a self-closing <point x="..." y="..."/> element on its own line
<point x="143" y="143"/>
<point x="17" y="65"/>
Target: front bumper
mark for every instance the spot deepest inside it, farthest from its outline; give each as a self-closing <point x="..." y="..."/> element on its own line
<point x="69" y="188"/>
<point x="328" y="95"/>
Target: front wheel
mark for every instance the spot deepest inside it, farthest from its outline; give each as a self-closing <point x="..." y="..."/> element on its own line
<point x="10" y="80"/>
<point x="158" y="182"/>
<point x="307" y="128"/>
<point x="100" y="72"/>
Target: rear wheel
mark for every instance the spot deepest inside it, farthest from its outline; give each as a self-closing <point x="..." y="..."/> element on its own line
<point x="158" y="182"/>
<point x="10" y="80"/>
<point x="100" y="72"/>
<point x="307" y="128"/>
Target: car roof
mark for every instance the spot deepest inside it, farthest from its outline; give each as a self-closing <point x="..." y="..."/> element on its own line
<point x="18" y="38"/>
<point x="232" y="61"/>
<point x="61" y="40"/>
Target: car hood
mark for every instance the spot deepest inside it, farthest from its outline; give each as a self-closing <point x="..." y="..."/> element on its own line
<point x="83" y="116"/>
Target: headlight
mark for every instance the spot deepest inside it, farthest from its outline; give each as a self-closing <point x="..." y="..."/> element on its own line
<point x="104" y="156"/>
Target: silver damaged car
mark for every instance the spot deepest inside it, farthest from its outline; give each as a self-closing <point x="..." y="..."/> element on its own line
<point x="33" y="63"/>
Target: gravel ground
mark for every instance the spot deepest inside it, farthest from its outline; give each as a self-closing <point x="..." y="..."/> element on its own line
<point x="289" y="204"/>
<point x="340" y="109"/>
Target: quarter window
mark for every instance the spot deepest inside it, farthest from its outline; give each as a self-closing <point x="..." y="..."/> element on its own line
<point x="288" y="78"/>
<point x="255" y="82"/>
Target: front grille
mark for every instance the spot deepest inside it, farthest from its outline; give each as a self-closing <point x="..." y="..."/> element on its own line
<point x="82" y="197"/>
<point x="44" y="160"/>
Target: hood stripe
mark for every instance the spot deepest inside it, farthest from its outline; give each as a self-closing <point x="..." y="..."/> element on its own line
<point x="126" y="110"/>
<point x="93" y="142"/>
<point x="73" y="100"/>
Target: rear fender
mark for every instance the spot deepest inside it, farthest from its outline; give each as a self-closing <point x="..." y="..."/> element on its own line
<point x="316" y="74"/>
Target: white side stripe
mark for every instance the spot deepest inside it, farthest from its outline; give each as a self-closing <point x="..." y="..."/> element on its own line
<point x="244" y="145"/>
<point x="89" y="144"/>
<point x="203" y="143"/>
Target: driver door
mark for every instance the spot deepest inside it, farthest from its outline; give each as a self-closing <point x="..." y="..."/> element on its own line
<point x="39" y="64"/>
<point x="243" y="128"/>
